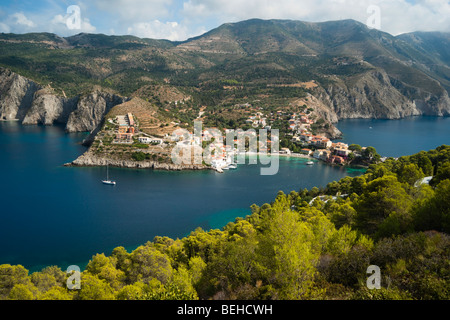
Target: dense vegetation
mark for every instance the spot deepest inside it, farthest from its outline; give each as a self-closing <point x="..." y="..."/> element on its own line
<point x="247" y="55"/>
<point x="297" y="247"/>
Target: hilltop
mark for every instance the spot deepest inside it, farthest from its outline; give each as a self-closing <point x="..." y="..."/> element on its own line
<point x="337" y="69"/>
<point x="361" y="72"/>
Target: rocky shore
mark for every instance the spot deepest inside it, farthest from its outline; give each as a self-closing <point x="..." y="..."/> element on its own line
<point x="90" y="160"/>
<point x="30" y="103"/>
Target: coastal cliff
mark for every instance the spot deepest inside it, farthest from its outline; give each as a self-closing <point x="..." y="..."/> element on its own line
<point x="24" y="100"/>
<point x="91" y="110"/>
<point x="16" y="95"/>
<point x="375" y="96"/>
<point x="48" y="109"/>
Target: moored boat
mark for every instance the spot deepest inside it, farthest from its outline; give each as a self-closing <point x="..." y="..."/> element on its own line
<point x="108" y="181"/>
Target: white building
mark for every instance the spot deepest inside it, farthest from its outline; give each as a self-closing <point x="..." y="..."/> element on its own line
<point x="318" y="154"/>
<point x="145" y="140"/>
<point x="149" y="140"/>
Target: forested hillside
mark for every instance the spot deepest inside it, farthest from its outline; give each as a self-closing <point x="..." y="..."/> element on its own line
<point x="292" y="248"/>
<point x="359" y="72"/>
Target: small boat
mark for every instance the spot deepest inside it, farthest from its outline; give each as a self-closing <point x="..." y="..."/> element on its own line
<point x="310" y="163"/>
<point x="108" y="181"/>
<point x="232" y="166"/>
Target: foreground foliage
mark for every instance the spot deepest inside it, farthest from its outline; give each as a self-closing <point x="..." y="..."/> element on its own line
<point x="297" y="247"/>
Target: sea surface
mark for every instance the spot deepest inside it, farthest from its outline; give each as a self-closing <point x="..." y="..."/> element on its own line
<point x="56" y="215"/>
<point x="396" y="138"/>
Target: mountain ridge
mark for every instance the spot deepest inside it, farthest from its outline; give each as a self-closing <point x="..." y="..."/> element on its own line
<point x="360" y="72"/>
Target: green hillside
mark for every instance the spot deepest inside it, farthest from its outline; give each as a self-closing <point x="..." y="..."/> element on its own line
<point x="253" y="52"/>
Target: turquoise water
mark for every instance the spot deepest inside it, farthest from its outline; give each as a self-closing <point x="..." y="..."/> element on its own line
<point x="395" y="138"/>
<point x="56" y="215"/>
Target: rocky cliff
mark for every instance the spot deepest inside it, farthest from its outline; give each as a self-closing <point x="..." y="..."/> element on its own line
<point x="48" y="108"/>
<point x="376" y="95"/>
<point x="91" y="110"/>
<point x="23" y="100"/>
<point x="16" y="95"/>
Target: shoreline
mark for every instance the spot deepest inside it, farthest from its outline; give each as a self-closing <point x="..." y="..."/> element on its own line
<point x="89" y="160"/>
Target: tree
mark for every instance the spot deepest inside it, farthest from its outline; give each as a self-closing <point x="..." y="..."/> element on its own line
<point x="23" y="292"/>
<point x="358" y="185"/>
<point x="286" y="255"/>
<point x="333" y="188"/>
<point x="169" y="291"/>
<point x="11" y="276"/>
<point x="395" y="224"/>
<point x="57" y="273"/>
<point x="196" y="268"/>
<point x="56" y="293"/>
<point x="203" y="244"/>
<point x="351" y="156"/>
<point x="426" y="165"/>
<point x="340" y="213"/>
<point x="344" y="239"/>
<point x="410" y="173"/>
<point x="381" y="198"/>
<point x="434" y="214"/>
<point x="355" y="147"/>
<point x="370" y="153"/>
<point x="43" y="281"/>
<point x="443" y="173"/>
<point x="321" y="227"/>
<point x="138" y="156"/>
<point x="148" y="263"/>
<point x="349" y="268"/>
<point x="103" y="268"/>
<point x="182" y="280"/>
<point x="314" y="192"/>
<point x="234" y="267"/>
<point x="131" y="291"/>
<point x="93" y="288"/>
<point x="121" y="258"/>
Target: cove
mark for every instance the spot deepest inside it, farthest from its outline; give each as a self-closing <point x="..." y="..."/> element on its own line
<point x="56" y="215"/>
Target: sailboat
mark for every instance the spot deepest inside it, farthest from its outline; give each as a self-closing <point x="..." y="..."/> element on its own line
<point x="107" y="181"/>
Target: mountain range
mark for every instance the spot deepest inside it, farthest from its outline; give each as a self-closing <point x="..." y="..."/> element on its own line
<point x="357" y="72"/>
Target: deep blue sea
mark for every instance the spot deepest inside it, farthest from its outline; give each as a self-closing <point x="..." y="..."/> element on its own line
<point x="56" y="215"/>
<point x="396" y="138"/>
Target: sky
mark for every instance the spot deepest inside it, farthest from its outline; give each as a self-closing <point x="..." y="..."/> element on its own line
<point x="178" y="20"/>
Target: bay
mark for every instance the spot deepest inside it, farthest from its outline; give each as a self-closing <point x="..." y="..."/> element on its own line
<point x="396" y="138"/>
<point x="56" y="215"/>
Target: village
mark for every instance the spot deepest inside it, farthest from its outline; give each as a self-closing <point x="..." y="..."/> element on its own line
<point x="222" y="155"/>
<point x="315" y="146"/>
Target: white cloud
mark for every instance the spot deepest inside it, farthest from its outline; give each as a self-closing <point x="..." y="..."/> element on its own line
<point x="20" y="19"/>
<point x="397" y="16"/>
<point x="18" y="22"/>
<point x="180" y="19"/>
<point x="59" y="25"/>
<point x="159" y="30"/>
<point x="4" y="28"/>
